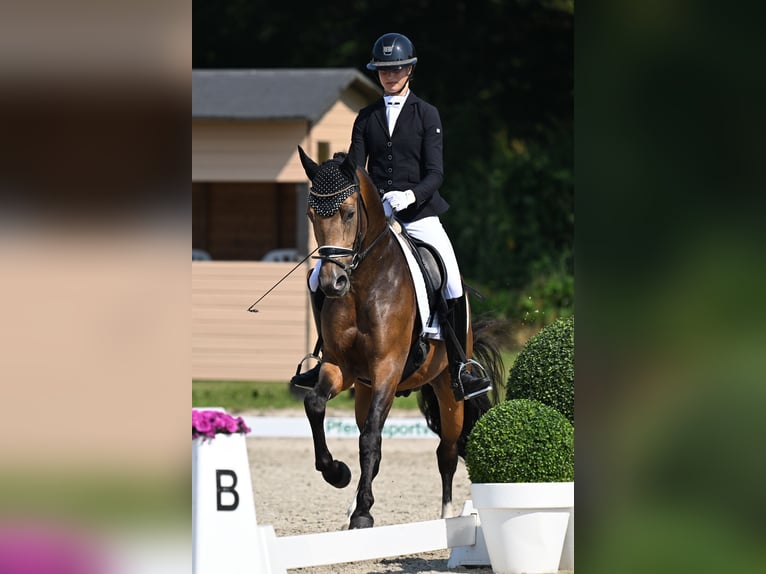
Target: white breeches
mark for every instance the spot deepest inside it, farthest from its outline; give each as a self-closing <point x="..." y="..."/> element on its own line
<point x="431" y="231"/>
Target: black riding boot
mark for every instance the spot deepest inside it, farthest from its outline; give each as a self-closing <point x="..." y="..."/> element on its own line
<point x="468" y="377"/>
<point x="310" y="378"/>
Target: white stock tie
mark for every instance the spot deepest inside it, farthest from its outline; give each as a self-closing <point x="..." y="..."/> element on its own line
<point x="393" y="109"/>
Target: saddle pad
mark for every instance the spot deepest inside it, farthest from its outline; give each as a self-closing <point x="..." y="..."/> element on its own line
<point x="421" y="294"/>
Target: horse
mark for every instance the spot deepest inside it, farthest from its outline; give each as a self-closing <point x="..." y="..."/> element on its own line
<point x="369" y="321"/>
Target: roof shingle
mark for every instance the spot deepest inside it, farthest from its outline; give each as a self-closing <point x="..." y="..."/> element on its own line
<point x="268" y="94"/>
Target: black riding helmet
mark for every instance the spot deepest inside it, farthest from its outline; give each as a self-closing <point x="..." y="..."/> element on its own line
<point x="391" y="50"/>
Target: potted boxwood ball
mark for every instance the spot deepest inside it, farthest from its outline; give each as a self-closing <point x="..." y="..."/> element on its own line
<point x="520" y="460"/>
<point x="544" y="369"/>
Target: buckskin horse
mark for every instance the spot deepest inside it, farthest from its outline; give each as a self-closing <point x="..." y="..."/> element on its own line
<point x="369" y="323"/>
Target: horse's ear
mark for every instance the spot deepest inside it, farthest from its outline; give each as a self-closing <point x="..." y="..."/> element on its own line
<point x="309" y="165"/>
<point x="348" y="167"/>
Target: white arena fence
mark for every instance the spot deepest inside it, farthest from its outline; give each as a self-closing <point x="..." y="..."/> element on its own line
<point x="226" y="536"/>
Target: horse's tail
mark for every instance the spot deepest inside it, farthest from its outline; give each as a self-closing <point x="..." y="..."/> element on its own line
<point x="487" y="352"/>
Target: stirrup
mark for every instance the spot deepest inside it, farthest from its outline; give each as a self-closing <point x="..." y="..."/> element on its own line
<point x="479" y="377"/>
<point x="299" y="379"/>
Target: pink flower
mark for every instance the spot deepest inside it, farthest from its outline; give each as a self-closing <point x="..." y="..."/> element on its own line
<point x="47" y="548"/>
<point x="203" y="425"/>
<point x="231" y="425"/>
<point x="207" y="424"/>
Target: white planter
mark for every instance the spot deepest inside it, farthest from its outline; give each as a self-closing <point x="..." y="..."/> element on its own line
<point x="524" y="524"/>
<point x="567" y="555"/>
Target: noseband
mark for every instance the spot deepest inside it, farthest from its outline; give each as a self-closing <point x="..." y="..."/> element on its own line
<point x="331" y="253"/>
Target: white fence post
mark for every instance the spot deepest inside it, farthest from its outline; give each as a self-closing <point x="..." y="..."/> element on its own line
<point x="225" y="533"/>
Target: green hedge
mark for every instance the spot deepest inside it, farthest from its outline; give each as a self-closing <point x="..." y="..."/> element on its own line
<point x="521" y="441"/>
<point x="544" y="368"/>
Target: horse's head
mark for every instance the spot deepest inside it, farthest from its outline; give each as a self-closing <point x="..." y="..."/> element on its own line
<point x="343" y="207"/>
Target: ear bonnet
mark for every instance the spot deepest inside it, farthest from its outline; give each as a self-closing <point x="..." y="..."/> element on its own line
<point x="330" y="188"/>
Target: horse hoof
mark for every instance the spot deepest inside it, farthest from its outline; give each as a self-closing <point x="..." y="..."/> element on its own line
<point x="361" y="521"/>
<point x="338" y="475"/>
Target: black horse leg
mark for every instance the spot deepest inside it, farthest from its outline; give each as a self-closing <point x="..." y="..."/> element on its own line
<point x="369" y="459"/>
<point x="334" y="472"/>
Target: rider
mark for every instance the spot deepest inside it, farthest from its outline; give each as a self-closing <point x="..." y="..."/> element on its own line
<point x="399" y="139"/>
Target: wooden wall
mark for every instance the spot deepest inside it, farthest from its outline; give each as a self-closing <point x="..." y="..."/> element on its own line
<point x="228" y="150"/>
<point x="248" y="196"/>
<point x="228" y="342"/>
<point x="335" y="126"/>
<point x="243" y="220"/>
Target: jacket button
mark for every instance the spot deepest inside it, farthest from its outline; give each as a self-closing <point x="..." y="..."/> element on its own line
<point x="390" y="182"/>
<point x="388" y="144"/>
<point x="389" y="170"/>
<point x="390" y="156"/>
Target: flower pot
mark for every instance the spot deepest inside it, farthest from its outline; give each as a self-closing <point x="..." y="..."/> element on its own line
<point x="567" y="555"/>
<point x="524" y="524"/>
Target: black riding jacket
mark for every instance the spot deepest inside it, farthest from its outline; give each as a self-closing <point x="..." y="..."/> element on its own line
<point x="410" y="158"/>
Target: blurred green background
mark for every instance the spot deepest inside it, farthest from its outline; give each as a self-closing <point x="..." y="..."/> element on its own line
<point x="670" y="364"/>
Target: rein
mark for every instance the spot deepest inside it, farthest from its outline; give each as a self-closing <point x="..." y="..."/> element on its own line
<point x="332" y="253"/>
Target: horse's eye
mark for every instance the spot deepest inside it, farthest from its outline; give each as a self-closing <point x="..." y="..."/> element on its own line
<point x="348" y="215"/>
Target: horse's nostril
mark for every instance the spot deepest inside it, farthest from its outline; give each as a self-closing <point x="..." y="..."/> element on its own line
<point x="341" y="282"/>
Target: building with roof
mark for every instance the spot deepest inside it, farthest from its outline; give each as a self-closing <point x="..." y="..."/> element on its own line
<point x="249" y="196"/>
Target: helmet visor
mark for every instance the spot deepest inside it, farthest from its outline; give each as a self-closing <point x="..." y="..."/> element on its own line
<point x="395" y="65"/>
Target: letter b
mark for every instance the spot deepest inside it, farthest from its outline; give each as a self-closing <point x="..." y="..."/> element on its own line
<point x="230" y="489"/>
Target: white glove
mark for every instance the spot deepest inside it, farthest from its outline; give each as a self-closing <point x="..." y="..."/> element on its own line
<point x="399" y="199"/>
<point x="387" y="209"/>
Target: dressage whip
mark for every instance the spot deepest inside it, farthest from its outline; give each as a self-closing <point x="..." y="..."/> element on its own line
<point x="252" y="308"/>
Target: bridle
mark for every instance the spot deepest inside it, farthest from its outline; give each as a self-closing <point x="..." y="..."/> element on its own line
<point x="332" y="253"/>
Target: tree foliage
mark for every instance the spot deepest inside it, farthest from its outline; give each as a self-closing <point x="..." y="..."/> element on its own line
<point x="501" y="74"/>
